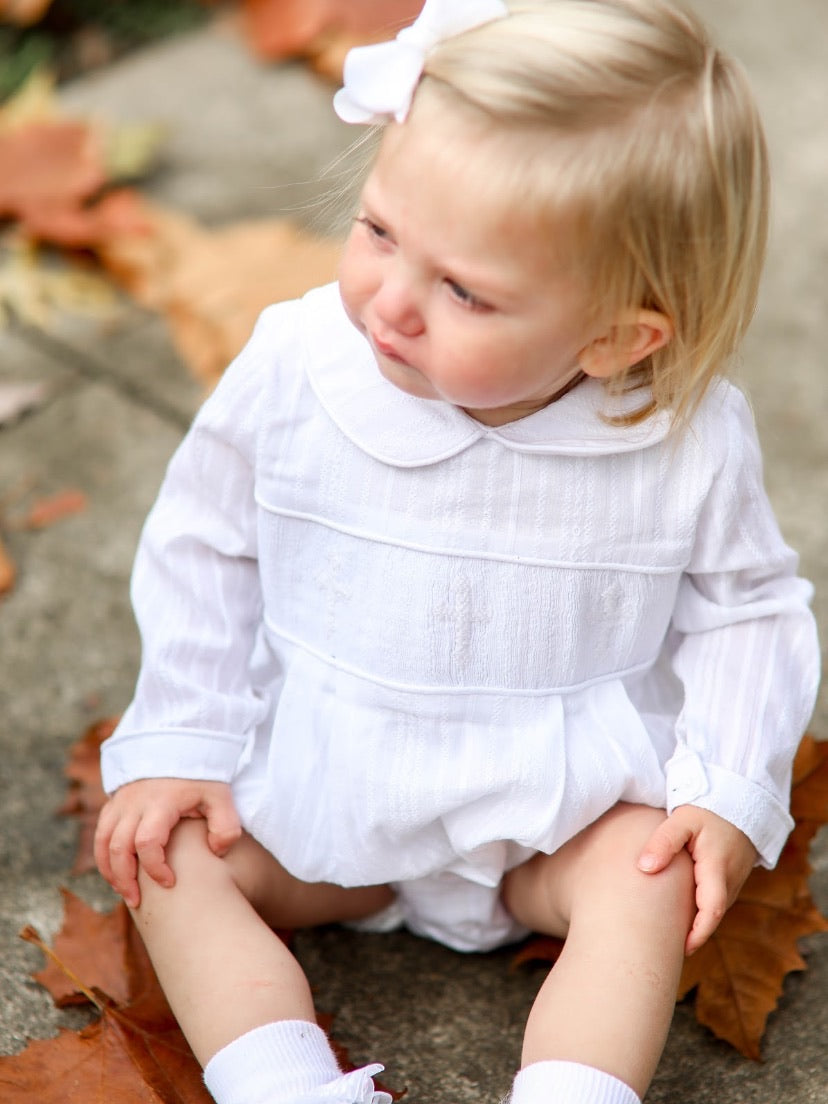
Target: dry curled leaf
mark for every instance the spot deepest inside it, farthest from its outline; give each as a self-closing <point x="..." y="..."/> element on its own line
<point x="738" y="974"/>
<point x="98" y="947"/>
<point x="134" y="1053"/>
<point x="56" y="170"/>
<point x="210" y="284"/>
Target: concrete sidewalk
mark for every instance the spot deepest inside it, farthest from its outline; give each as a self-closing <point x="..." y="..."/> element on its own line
<point x="248" y="140"/>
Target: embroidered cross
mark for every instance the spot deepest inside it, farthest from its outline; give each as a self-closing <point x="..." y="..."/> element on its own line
<point x="461" y="614"/>
<point x="328" y="580"/>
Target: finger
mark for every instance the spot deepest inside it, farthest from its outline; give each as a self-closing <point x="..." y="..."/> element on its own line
<point x="223" y="825"/>
<point x="151" y="838"/>
<point x="711" y="902"/>
<point x="123" y="861"/>
<point x="663" y="845"/>
<point x="103" y="834"/>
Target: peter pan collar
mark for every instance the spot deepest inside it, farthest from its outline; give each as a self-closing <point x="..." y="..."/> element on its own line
<point x="406" y="431"/>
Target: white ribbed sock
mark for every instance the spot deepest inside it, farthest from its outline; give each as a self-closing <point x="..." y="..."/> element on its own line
<point x="273" y="1064"/>
<point x="568" y="1083"/>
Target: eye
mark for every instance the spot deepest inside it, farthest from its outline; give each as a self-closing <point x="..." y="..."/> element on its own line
<point x="465" y="297"/>
<point x="374" y="229"/>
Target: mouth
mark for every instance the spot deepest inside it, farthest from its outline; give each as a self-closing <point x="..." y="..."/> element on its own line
<point x="386" y="350"/>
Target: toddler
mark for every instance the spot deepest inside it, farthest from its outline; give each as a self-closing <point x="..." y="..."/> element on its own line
<point x="462" y="604"/>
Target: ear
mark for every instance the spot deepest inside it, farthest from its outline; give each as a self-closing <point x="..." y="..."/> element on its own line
<point x="627" y="342"/>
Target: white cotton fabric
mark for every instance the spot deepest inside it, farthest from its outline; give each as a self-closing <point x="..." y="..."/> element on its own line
<point x="422" y="648"/>
<point x="568" y="1083"/>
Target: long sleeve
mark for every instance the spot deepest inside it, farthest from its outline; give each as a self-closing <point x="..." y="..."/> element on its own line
<point x="747" y="656"/>
<point x="197" y="598"/>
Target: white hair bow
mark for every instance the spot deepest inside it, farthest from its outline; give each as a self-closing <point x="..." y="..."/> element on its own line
<point x="380" y="80"/>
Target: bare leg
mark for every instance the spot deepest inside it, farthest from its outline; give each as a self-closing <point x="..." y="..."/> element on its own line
<point x="608" y="1001"/>
<point x="222" y="968"/>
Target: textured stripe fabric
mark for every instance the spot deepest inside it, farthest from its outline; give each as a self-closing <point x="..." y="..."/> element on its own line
<point x="416" y="644"/>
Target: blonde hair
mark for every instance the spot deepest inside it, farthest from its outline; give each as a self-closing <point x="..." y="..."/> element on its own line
<point x="646" y="146"/>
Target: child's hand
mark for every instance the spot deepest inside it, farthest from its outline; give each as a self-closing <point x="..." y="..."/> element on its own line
<point x="135" y="825"/>
<point x="723" y="856"/>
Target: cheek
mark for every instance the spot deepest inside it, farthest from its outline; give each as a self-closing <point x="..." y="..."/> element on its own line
<point x="352" y="281"/>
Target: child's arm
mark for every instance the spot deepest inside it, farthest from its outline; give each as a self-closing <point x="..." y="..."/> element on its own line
<point x="197" y="594"/>
<point x="135" y="825"/>
<point x="723" y="856"/>
<point x="747" y="655"/>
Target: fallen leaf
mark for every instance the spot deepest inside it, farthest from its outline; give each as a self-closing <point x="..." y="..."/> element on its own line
<point x="8" y="572"/>
<point x="57" y="171"/>
<point x="97" y="947"/>
<point x="86" y="797"/>
<point x="33" y="288"/>
<point x="23" y="12"/>
<point x="52" y="163"/>
<point x="739" y="973"/>
<point x="135" y="1052"/>
<point x="46" y="511"/>
<point x="302" y="28"/>
<point x="211" y="285"/>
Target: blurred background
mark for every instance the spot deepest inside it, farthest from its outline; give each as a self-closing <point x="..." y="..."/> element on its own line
<point x="166" y="170"/>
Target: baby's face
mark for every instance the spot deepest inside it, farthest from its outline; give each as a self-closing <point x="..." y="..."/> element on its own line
<point x="454" y="288"/>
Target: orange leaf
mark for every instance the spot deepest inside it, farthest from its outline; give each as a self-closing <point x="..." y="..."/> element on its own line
<point x="135" y="1053"/>
<point x="121" y="1057"/>
<point x="287" y="28"/>
<point x="94" y="946"/>
<point x="212" y="284"/>
<point x="47" y="511"/>
<point x="49" y="163"/>
<point x="8" y="572"/>
<point x="23" y="12"/>
<point x="115" y="214"/>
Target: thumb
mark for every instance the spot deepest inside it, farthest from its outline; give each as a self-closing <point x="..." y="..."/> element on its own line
<point x="223" y="825"/>
<point x="663" y="845"/>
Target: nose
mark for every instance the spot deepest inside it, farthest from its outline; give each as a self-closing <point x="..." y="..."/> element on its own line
<point x="398" y="304"/>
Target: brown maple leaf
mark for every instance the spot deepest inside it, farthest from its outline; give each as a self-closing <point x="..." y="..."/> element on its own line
<point x="134" y="1052"/>
<point x="738" y="974"/>
<point x="211" y="284"/>
<point x="101" y="948"/>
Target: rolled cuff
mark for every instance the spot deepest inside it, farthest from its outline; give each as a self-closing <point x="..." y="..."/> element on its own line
<point x="745" y="804"/>
<point x="208" y="756"/>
